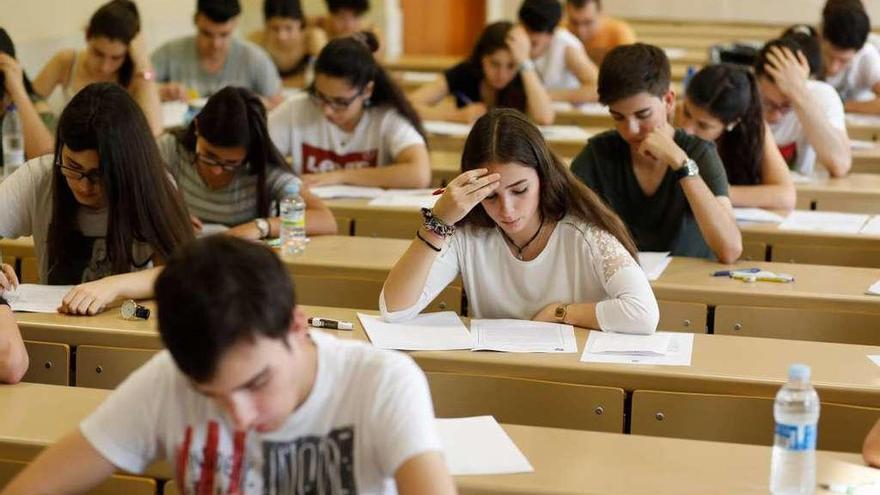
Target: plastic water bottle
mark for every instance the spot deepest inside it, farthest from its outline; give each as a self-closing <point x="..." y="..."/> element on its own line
<point x="796" y="411"/>
<point x="293" y="222"/>
<point x="13" y="141"/>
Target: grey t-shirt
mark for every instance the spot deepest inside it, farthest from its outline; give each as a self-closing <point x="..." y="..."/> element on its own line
<point x="247" y="66"/>
<point x="26" y="210"/>
<point x="663" y="221"/>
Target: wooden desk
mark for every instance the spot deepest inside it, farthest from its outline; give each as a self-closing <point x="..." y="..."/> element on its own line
<point x="564" y="147"/>
<point x="856" y="193"/>
<point x="423" y="63"/>
<point x="815" y="247"/>
<point x="866" y="160"/>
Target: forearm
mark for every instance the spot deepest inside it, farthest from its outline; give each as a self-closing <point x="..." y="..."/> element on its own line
<point x="136" y="285"/>
<point x="770" y="196"/>
<point x="13" y="355"/>
<point x="871" y="447"/>
<point x="146" y="94"/>
<point x="37" y="138"/>
<point x="407" y="279"/>
<point x="397" y="176"/>
<point x="539" y="106"/>
<point x="830" y="143"/>
<point x="868" y="106"/>
<point x="582" y="315"/>
<point x="583" y="94"/>
<point x="716" y="224"/>
<point x="319" y="221"/>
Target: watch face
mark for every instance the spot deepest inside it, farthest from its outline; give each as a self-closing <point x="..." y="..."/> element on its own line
<point x="560" y="311"/>
<point x="128" y="309"/>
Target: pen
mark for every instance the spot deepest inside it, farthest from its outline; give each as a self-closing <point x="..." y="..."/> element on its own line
<point x="728" y="273"/>
<point x="438" y="191"/>
<point x="318" y="322"/>
<point x="463" y="97"/>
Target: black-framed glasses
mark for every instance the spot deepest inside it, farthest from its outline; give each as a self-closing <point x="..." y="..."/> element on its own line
<point x="94" y="176"/>
<point x="336" y="104"/>
<point x="225" y="165"/>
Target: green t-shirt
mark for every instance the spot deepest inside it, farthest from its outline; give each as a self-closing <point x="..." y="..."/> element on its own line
<point x="664" y="221"/>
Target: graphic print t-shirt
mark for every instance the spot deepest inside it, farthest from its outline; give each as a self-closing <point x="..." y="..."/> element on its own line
<point x="300" y="130"/>
<point x="368" y="412"/>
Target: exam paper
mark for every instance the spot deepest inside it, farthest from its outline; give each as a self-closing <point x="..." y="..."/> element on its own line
<point x="824" y="221"/>
<point x="675" y="53"/>
<point x="346" y="191"/>
<point x="443" y="128"/>
<point x="420" y="198"/>
<point x="478" y="445"/>
<point x="757" y="215"/>
<point x="414" y="76"/>
<point x="441" y="331"/>
<point x="33" y="298"/>
<point x="862" y="119"/>
<point x="678" y="351"/>
<point x="173" y="113"/>
<point x="619" y="343"/>
<point x="564" y="133"/>
<point x="653" y="263"/>
<point x="522" y="336"/>
<point x="586" y="108"/>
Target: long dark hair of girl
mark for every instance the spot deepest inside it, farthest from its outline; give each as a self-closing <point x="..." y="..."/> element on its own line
<point x="117" y="20"/>
<point x="143" y="204"/>
<point x="492" y="39"/>
<point x="351" y="58"/>
<point x="235" y="117"/>
<point x="730" y="94"/>
<point x="507" y="136"/>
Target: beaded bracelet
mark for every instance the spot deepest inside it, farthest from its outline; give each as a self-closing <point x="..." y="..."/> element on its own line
<point x="436" y="225"/>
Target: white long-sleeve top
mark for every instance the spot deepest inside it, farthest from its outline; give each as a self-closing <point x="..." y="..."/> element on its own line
<point x="580" y="264"/>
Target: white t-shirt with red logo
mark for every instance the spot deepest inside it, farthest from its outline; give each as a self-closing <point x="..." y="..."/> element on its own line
<point x="789" y="133"/>
<point x="300" y="130"/>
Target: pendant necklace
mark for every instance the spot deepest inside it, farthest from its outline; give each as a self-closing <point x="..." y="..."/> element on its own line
<point x="519" y="249"/>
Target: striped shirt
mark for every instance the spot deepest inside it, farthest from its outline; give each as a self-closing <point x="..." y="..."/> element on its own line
<point x="231" y="205"/>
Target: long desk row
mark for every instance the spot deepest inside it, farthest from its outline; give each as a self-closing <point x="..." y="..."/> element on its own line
<point x="34" y="416"/>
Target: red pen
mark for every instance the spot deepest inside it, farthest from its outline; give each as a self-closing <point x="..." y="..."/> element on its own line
<point x="438" y="191"/>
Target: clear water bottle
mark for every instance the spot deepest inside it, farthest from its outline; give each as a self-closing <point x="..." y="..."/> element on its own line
<point x="293" y="222"/>
<point x="796" y="411"/>
<point x="13" y="141"/>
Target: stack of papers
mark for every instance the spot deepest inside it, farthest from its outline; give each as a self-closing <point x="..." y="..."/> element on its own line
<point x="653" y="263"/>
<point x="823" y="221"/>
<point x="479" y="446"/>
<point x="522" y="336"/>
<point x="32" y="298"/>
<point x="757" y="215"/>
<point x="346" y="191"/>
<point x="661" y="348"/>
<point x="442" y="331"/>
<point x="415" y="198"/>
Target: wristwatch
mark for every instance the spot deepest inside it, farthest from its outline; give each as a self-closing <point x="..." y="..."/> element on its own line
<point x="560" y="313"/>
<point x="688" y="169"/>
<point x="525" y="65"/>
<point x="131" y="310"/>
<point x="263" y="227"/>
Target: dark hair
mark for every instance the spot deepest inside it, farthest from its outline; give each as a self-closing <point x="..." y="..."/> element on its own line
<point x="761" y="61"/>
<point x="540" y="16"/>
<point x="143" y="204"/>
<point x="290" y="9"/>
<point x="730" y="94"/>
<point x="235" y="117"/>
<point x="808" y="40"/>
<point x="492" y="39"/>
<point x="8" y="47"/>
<point x="579" y="4"/>
<point x="505" y="136"/>
<point x="359" y="7"/>
<point x="117" y="20"/>
<point x="218" y="11"/>
<point x="216" y="292"/>
<point x="628" y="70"/>
<point x="351" y="58"/>
<point x="845" y="24"/>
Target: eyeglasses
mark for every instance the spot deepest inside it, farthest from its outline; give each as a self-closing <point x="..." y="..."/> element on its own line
<point x="336" y="104"/>
<point x="94" y="175"/>
<point x="773" y="106"/>
<point x="225" y="165"/>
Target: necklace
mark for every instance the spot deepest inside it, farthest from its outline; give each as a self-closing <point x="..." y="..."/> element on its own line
<point x="519" y="249"/>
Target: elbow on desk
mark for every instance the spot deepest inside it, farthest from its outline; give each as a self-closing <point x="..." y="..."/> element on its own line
<point x="13" y="364"/>
<point x="730" y="252"/>
<point x="839" y="168"/>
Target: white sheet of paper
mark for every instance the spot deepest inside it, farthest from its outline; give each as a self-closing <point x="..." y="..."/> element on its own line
<point x="522" y="336"/>
<point x="414" y="201"/>
<point x="591" y="108"/>
<point x="862" y="119"/>
<point x="443" y="331"/>
<point x="653" y="263"/>
<point x="824" y="221"/>
<point x="33" y="298"/>
<point x="874" y="289"/>
<point x="675" y="53"/>
<point x="872" y="226"/>
<point x="442" y="128"/>
<point x="757" y="215"/>
<point x="478" y="445"/>
<point x="564" y="133"/>
<point x="211" y="229"/>
<point x="859" y="144"/>
<point x="874" y="359"/>
<point x="621" y="343"/>
<point x="346" y="191"/>
<point x="173" y="113"/>
<point x="414" y="76"/>
<point x="679" y="352"/>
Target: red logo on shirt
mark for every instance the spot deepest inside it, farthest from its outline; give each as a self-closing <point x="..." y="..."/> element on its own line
<point x="317" y="160"/>
<point x="789" y="152"/>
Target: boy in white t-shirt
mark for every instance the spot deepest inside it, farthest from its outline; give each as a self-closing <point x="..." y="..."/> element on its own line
<point x="247" y="400"/>
<point x="851" y="64"/>
<point x="805" y="116"/>
<point x="558" y="55"/>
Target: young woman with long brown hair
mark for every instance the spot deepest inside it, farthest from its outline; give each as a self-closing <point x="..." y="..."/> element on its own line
<point x="527" y="238"/>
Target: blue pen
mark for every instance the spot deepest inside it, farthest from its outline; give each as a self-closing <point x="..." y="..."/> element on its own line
<point x="463" y="97"/>
<point x="727" y="273"/>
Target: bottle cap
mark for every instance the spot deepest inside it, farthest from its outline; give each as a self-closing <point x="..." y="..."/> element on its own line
<point x="292" y="188"/>
<point x="799" y="372"/>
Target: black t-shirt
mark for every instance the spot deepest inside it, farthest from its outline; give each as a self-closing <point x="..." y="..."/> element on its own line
<point x="664" y="221"/>
<point x="464" y="80"/>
